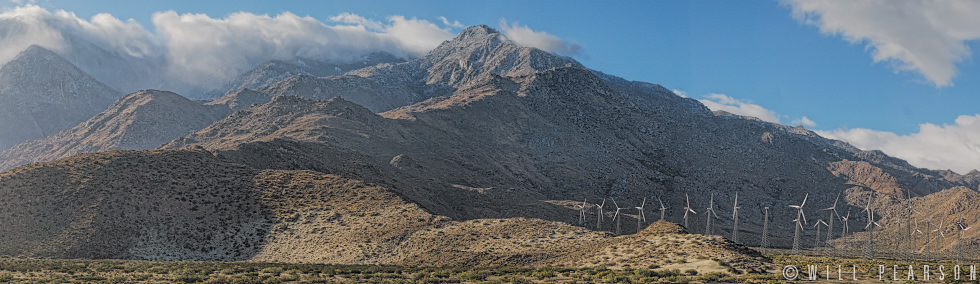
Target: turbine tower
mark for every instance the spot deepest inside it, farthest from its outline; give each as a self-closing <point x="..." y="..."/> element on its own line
<point x="662" y="208"/>
<point x="598" y="221"/>
<point x="735" y="218"/>
<point x="911" y="230"/>
<point x="929" y="224"/>
<point x="616" y="217"/>
<point x="817" y="225"/>
<point x="833" y="215"/>
<point x="800" y="220"/>
<point x="711" y="211"/>
<point x="639" y="215"/>
<point x="581" y="211"/>
<point x="962" y="226"/>
<point x="765" y="231"/>
<point x="687" y="209"/>
<point x="915" y="230"/>
<point x="869" y="250"/>
<point x="940" y="230"/>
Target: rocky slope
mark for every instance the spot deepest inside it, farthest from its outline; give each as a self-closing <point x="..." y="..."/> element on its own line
<point x="276" y="70"/>
<point x="43" y="94"/>
<point x="483" y="129"/>
<point x="518" y="146"/>
<point x="141" y="120"/>
<point x="474" y="54"/>
<point x="192" y="205"/>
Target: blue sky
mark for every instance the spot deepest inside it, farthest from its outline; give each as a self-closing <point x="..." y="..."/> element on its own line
<point x="744" y="55"/>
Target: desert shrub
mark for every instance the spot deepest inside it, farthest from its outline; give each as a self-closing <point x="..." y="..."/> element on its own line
<point x="516" y="279"/>
<point x="6" y="277"/>
<point x="691" y="272"/>
<point x="713" y="276"/>
<point x="89" y="277"/>
<point x="274" y="270"/>
<point x="189" y="278"/>
<point x="643" y="272"/>
<point x="474" y="275"/>
<point x="670" y="272"/>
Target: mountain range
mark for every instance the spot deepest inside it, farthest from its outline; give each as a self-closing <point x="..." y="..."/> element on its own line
<point x="418" y="157"/>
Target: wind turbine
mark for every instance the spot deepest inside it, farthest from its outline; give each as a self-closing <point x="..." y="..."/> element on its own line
<point x="765" y="230"/>
<point x="687" y="209"/>
<point x="940" y="230"/>
<point x="662" y="208"/>
<point x="616" y="217"/>
<point x="598" y="222"/>
<point x="735" y="218"/>
<point x="581" y="211"/>
<point x="843" y="232"/>
<point x="915" y="230"/>
<point x="833" y="215"/>
<point x="911" y="230"/>
<point x="929" y="224"/>
<point x="711" y="211"/>
<point x="870" y="228"/>
<point x="962" y="226"/>
<point x="640" y="215"/>
<point x="817" y="225"/>
<point x="800" y="220"/>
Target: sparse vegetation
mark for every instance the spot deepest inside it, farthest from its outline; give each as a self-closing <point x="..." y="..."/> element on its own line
<point x="17" y="270"/>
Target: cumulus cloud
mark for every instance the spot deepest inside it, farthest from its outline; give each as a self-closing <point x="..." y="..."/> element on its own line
<point x="525" y="36"/>
<point x="195" y="51"/>
<point x="949" y="146"/>
<point x="928" y="37"/>
<point x="723" y="102"/>
<point x="454" y="24"/>
<point x="805" y="121"/>
<point x="349" y="18"/>
<point x="680" y="93"/>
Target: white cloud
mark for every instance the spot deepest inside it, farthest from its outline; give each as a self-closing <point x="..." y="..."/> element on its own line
<point x="805" y="121"/>
<point x="716" y="102"/>
<point x="350" y="18"/>
<point x="680" y="93"/>
<point x="924" y="36"/>
<point x="195" y="51"/>
<point x="454" y="24"/>
<point x="527" y="37"/>
<point x="723" y="102"/>
<point x="948" y="146"/>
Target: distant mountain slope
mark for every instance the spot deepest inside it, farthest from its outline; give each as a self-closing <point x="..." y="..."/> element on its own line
<point x="141" y="120"/>
<point x="561" y="134"/>
<point x="483" y="129"/>
<point x="276" y="70"/>
<point x="43" y="94"/>
<point x="474" y="54"/>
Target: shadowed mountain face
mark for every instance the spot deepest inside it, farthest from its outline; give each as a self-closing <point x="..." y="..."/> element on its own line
<point x="141" y="120"/>
<point x="504" y="146"/>
<point x="43" y="94"/>
<point x="481" y="128"/>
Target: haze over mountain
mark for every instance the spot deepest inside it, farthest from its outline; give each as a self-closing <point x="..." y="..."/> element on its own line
<point x="43" y="93"/>
<point x="275" y="70"/>
<point x="477" y="128"/>
<point x="475" y="54"/>
<point x="139" y="121"/>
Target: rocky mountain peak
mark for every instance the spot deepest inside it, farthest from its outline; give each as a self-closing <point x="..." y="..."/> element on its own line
<point x="476" y="32"/>
<point x="43" y="93"/>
